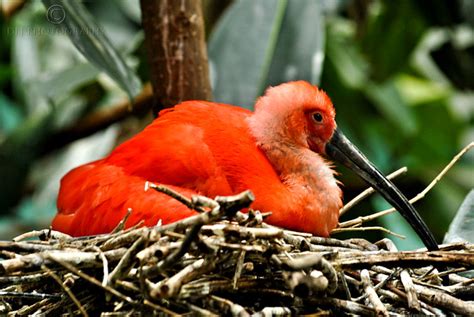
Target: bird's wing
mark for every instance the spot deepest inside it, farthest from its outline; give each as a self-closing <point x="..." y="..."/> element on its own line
<point x="94" y="198"/>
<point x="172" y="151"/>
<point x="175" y="149"/>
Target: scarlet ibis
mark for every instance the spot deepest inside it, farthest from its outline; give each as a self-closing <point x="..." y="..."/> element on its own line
<point x="212" y="149"/>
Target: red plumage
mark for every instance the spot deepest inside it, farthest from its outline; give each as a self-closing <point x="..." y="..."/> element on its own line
<point x="214" y="149"/>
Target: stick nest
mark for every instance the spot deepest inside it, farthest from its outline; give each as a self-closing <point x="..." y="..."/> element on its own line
<point x="224" y="262"/>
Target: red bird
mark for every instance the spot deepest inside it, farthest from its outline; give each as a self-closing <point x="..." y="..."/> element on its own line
<point x="212" y="149"/>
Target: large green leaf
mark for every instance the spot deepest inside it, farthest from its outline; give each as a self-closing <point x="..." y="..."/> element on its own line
<point x="348" y="64"/>
<point x="241" y="49"/>
<point x="417" y="90"/>
<point x="92" y="42"/>
<point x="392" y="34"/>
<point x="261" y="43"/>
<point x="462" y="226"/>
<point x="299" y="53"/>
<point x="65" y="82"/>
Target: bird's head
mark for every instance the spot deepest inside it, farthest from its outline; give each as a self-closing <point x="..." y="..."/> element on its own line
<point x="298" y="114"/>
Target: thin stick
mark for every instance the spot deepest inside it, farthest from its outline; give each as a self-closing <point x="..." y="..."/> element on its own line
<point x="192" y="236"/>
<point x="360" y="220"/>
<point x="105" y="265"/>
<point x="92" y="280"/>
<point x="121" y="224"/>
<point x="369" y="191"/>
<point x="238" y="268"/>
<point x="412" y="298"/>
<point x="339" y="230"/>
<point x="160" y="308"/>
<point x="42" y="233"/>
<point x="66" y="289"/>
<point x="174" y="194"/>
<point x="372" y="294"/>
<point x="125" y="263"/>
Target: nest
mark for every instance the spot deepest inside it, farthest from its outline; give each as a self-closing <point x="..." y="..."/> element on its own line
<point x="224" y="262"/>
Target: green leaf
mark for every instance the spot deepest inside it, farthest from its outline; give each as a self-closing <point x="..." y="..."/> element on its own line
<point x="417" y="90"/>
<point x="241" y="49"/>
<point x="92" y="42"/>
<point x="341" y="52"/>
<point x="388" y="101"/>
<point x="462" y="226"/>
<point x="63" y="83"/>
<point x="10" y="115"/>
<point x="436" y="140"/>
<point x="387" y="44"/>
<point x="299" y="53"/>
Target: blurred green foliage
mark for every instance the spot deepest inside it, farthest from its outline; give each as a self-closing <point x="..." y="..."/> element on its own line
<point x="398" y="72"/>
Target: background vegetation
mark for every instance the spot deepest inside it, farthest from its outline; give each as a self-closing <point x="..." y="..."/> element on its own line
<point x="400" y="74"/>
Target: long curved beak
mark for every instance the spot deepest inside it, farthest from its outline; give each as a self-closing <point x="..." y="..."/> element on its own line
<point x="346" y="153"/>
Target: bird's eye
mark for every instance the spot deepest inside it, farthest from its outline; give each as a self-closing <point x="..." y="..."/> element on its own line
<point x="318" y="117"/>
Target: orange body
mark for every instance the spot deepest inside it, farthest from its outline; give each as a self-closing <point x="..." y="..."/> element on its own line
<point x="214" y="149"/>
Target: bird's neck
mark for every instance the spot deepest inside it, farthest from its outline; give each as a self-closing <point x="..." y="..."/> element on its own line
<point x="298" y="166"/>
<point x="311" y="187"/>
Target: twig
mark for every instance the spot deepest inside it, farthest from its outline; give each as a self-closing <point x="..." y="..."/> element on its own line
<point x="174" y="194"/>
<point x="92" y="280"/>
<point x="43" y="235"/>
<point x="226" y="305"/>
<point x="403" y="258"/>
<point x="445" y="300"/>
<point x="157" y="249"/>
<point x="315" y="261"/>
<point x="412" y="298"/>
<point x="191" y="237"/>
<point x="348" y="306"/>
<point x="35" y="260"/>
<point x="196" y="310"/>
<point x="374" y="299"/>
<point x="344" y="285"/>
<point x="245" y="232"/>
<point x="305" y="285"/>
<point x="160" y="308"/>
<point x="274" y="311"/>
<point x="228" y="206"/>
<point x="67" y="290"/>
<point x="105" y="265"/>
<point x="121" y="224"/>
<point x="28" y="310"/>
<point x="29" y="295"/>
<point x="238" y="268"/>
<point x="379" y="285"/>
<point x="170" y="287"/>
<point x="125" y="262"/>
<point x="339" y="230"/>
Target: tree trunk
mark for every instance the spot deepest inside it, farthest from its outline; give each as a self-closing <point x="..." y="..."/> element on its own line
<point x="177" y="54"/>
